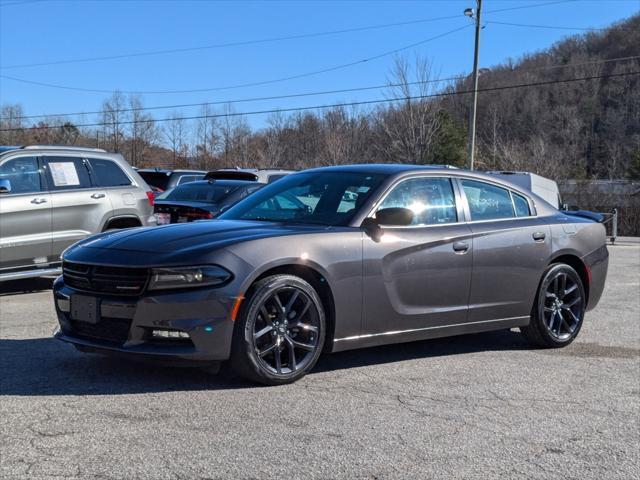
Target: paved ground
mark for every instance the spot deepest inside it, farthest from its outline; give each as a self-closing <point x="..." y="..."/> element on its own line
<point x="481" y="406"/>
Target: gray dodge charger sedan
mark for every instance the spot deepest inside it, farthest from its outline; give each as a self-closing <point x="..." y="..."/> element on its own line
<point x="333" y="259"/>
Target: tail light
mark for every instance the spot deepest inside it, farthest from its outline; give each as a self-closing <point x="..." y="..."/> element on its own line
<point x="151" y="197"/>
<point x="197" y="215"/>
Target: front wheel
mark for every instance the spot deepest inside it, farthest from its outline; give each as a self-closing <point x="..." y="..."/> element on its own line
<point x="280" y="331"/>
<point x="559" y="308"/>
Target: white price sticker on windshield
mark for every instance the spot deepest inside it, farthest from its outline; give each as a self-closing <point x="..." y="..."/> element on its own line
<point x="64" y="174"/>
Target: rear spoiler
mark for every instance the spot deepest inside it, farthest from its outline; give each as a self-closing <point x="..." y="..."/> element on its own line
<point x="231" y="175"/>
<point x="596" y="217"/>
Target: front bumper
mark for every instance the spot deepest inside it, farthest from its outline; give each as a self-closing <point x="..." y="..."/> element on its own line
<point x="125" y="324"/>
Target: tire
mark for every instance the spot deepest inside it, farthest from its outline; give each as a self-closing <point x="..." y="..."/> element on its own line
<point x="280" y="331"/>
<point x="558" y="310"/>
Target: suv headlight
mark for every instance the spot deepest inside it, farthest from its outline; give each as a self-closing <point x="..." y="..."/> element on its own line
<point x="184" y="277"/>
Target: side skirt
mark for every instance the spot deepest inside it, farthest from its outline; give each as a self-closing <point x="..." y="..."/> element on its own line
<point x="401" y="336"/>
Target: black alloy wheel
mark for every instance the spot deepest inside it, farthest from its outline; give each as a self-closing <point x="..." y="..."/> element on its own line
<point x="559" y="308"/>
<point x="280" y="331"/>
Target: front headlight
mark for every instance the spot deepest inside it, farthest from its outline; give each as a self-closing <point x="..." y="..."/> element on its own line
<point x="183" y="277"/>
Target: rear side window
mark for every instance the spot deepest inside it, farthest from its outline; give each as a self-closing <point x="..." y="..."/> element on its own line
<point x="486" y="201"/>
<point x="23" y="173"/>
<point x="198" y="192"/>
<point x="521" y="205"/>
<point x="159" y="180"/>
<point x="274" y="177"/>
<point x="108" y="173"/>
<point x="431" y="199"/>
<point x="67" y="173"/>
<point x="189" y="178"/>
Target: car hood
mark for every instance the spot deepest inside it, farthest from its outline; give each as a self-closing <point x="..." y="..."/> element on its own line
<point x="188" y="237"/>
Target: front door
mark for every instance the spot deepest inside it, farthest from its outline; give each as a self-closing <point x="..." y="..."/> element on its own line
<point x="417" y="278"/>
<point x="25" y="215"/>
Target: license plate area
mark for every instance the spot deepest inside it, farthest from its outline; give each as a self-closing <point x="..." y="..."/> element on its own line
<point x="163" y="218"/>
<point x="85" y="308"/>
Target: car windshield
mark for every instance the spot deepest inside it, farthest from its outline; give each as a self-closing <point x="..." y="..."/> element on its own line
<point x="322" y="198"/>
<point x="199" y="192"/>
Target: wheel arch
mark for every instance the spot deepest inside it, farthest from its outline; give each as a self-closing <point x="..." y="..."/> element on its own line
<point x="575" y="262"/>
<point x="122" y="221"/>
<point x="318" y="281"/>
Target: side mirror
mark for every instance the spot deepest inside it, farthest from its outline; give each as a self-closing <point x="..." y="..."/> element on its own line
<point x="389" y="217"/>
<point x="5" y="185"/>
<point x="394" y="217"/>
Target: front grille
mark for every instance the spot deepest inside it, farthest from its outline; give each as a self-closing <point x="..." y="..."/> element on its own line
<point x="101" y="279"/>
<point x="110" y="330"/>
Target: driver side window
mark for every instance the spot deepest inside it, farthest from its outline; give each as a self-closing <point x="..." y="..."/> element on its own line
<point x="23" y="173"/>
<point x="431" y="200"/>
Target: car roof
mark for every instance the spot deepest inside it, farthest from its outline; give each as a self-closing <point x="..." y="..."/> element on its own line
<point x="383" y="168"/>
<point x="229" y="183"/>
<point x="168" y="171"/>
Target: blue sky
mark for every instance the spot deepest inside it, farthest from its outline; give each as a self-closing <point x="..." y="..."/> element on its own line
<point x="36" y="31"/>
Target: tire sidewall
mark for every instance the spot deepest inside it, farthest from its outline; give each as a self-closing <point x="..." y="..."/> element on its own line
<point x="538" y="314"/>
<point x="247" y="319"/>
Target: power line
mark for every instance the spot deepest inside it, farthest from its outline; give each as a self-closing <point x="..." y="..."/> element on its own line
<point x="229" y="44"/>
<point x="551" y="27"/>
<point x="251" y="84"/>
<point x="309" y="94"/>
<point x="251" y="42"/>
<point x="22" y="2"/>
<point x="335" y="105"/>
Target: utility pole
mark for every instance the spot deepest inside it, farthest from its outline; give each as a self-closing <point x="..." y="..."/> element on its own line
<point x="469" y="12"/>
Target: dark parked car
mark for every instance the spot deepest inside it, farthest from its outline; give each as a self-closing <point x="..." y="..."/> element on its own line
<point x="367" y="255"/>
<point x="201" y="200"/>
<point x="161" y="180"/>
<point x="262" y="175"/>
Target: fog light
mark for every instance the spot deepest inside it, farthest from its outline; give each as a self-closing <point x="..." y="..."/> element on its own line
<point x="169" y="334"/>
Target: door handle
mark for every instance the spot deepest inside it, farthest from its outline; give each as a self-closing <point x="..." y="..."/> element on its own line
<point x="38" y="200"/>
<point x="539" y="236"/>
<point x="460" y="247"/>
<point x="98" y="195"/>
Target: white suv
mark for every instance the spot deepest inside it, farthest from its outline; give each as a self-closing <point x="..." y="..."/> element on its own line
<point x="51" y="197"/>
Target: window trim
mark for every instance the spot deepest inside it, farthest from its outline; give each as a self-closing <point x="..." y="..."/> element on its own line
<point x="460" y="214"/>
<point x="533" y="213"/>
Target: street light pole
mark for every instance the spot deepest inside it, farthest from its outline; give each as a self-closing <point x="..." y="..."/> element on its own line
<point x="472" y="116"/>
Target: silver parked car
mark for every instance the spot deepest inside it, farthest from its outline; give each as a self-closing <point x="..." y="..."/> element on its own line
<point x="51" y="197"/>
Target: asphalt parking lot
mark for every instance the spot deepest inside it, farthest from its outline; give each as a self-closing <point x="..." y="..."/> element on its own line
<point x="479" y="406"/>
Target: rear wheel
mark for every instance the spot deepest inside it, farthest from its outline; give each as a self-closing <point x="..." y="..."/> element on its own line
<point x="280" y="331"/>
<point x="559" y="308"/>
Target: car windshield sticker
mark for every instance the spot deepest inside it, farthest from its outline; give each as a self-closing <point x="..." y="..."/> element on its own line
<point x="64" y="174"/>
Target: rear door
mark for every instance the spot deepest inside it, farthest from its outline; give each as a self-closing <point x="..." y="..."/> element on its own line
<point x="79" y="206"/>
<point x="511" y="247"/>
<point x="417" y="278"/>
<point x="25" y="215"/>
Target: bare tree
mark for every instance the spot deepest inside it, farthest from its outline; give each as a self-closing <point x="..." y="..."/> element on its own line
<point x="112" y="117"/>
<point x="11" y="122"/>
<point x="175" y="133"/>
<point x="142" y="131"/>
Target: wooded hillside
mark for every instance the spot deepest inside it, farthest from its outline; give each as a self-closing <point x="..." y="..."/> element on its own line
<point x="571" y="129"/>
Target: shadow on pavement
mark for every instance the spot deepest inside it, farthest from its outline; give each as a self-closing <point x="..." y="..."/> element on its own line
<point x="29" y="285"/>
<point x="44" y="366"/>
